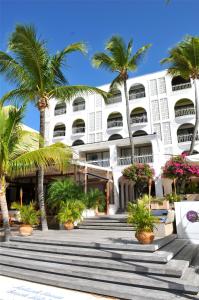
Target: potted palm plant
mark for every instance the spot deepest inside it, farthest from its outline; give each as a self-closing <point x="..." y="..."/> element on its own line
<point x="139" y="216"/>
<point x="70" y="212"/>
<point x="29" y="216"/>
<point x="95" y="202"/>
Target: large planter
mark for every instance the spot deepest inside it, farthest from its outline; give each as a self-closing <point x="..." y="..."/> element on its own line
<point x="25" y="230"/>
<point x="68" y="225"/>
<point x="160" y="205"/>
<point x="145" y="237"/>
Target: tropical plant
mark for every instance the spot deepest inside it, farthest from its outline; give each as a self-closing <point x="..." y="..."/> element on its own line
<point x="28" y="213"/>
<point x="95" y="199"/>
<point x="183" y="60"/>
<point x="173" y="197"/>
<point x="38" y="78"/>
<point x="18" y="156"/>
<point x="140" y="217"/>
<point x="62" y="191"/>
<point x="118" y="59"/>
<point x="71" y="211"/>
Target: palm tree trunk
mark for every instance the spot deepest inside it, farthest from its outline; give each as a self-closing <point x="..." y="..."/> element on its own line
<point x="129" y="121"/>
<point x="40" y="187"/>
<point x="4" y="208"/>
<point x="195" y="132"/>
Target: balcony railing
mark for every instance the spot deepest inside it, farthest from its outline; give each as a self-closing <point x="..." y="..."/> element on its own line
<point x="186" y="137"/>
<point x="139" y="119"/>
<point x="78" y="107"/>
<point x="144" y="159"/>
<point x="100" y="162"/>
<point x="59" y="133"/>
<point x="114" y="123"/>
<point x="114" y="99"/>
<point x="78" y="130"/>
<point x="60" y="111"/>
<point x="181" y="86"/>
<point x="185" y="111"/>
<point x="136" y="95"/>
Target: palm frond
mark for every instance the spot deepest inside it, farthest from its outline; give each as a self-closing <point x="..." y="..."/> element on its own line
<point x="118" y="49"/>
<point x="116" y="82"/>
<point x="102" y="60"/>
<point x="137" y="57"/>
<point x="57" y="155"/>
<point x="20" y="94"/>
<point x="69" y="92"/>
<point x="12" y="70"/>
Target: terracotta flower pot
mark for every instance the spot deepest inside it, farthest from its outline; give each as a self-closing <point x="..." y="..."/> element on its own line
<point x="68" y="225"/>
<point x="25" y="230"/>
<point x="145" y="237"/>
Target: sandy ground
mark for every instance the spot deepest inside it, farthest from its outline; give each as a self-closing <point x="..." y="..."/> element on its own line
<point x="14" y="289"/>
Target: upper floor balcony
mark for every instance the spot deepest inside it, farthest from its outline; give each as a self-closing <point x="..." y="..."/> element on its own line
<point x="60" y="109"/>
<point x="79" y="104"/>
<point x="116" y="97"/>
<point x="59" y="130"/>
<point x="185" y="133"/>
<point x="114" y="121"/>
<point x="143" y="154"/>
<point x="138" y="116"/>
<point x="101" y="159"/>
<point x="184" y="107"/>
<point x="137" y="91"/>
<point x="78" y="127"/>
<point x="178" y="83"/>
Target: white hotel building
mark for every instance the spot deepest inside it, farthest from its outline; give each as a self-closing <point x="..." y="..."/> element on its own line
<point x="163" y="116"/>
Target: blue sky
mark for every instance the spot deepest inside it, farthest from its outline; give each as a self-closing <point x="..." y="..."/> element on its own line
<point x="61" y="22"/>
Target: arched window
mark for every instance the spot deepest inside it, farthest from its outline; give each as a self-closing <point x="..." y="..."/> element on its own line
<point x="115" y="97"/>
<point x="137" y="91"/>
<point x="79" y="104"/>
<point x="139" y="133"/>
<point x="78" y="126"/>
<point x="59" y="130"/>
<point x="60" y="109"/>
<point x="179" y="83"/>
<point x="138" y="115"/>
<point x="185" y="133"/>
<point x="78" y="143"/>
<point x="114" y="120"/>
<point x="115" y="137"/>
<point x="184" y="107"/>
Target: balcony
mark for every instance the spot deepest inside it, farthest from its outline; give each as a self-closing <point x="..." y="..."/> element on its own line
<point x="182" y="138"/>
<point x="181" y="86"/>
<point x="60" y="111"/>
<point x="79" y="107"/>
<point x="114" y="99"/>
<point x="114" y="123"/>
<point x="137" y="95"/>
<point x="100" y="162"/>
<point x="184" y="111"/>
<point x="59" y="133"/>
<point x="139" y="119"/>
<point x="76" y="130"/>
<point x="144" y="159"/>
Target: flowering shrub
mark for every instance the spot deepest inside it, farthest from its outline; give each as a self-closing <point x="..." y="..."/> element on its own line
<point x="177" y="167"/>
<point x="137" y="172"/>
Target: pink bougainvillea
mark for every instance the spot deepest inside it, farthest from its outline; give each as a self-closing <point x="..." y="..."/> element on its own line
<point x="178" y="167"/>
<point x="138" y="171"/>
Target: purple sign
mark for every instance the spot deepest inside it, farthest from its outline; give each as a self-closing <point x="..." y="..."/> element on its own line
<point x="192" y="216"/>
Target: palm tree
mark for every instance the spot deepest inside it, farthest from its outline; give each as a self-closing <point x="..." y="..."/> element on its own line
<point x="38" y="77"/>
<point x="119" y="59"/>
<point x="183" y="61"/>
<point x="18" y="155"/>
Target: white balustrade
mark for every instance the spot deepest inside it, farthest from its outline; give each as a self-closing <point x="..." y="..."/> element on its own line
<point x="134" y="95"/>
<point x="78" y="107"/>
<point x="139" y="119"/>
<point x="144" y="159"/>
<point x="100" y="162"/>
<point x="114" y="123"/>
<point x="185" y="111"/>
<point x="76" y="130"/>
<point x="181" y="86"/>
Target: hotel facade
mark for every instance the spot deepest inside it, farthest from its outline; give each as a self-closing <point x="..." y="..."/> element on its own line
<point x="162" y="112"/>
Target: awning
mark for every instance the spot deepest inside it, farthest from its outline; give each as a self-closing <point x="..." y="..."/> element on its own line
<point x="193" y="159"/>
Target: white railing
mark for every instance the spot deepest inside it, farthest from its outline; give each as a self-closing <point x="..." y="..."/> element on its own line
<point x="181" y="86"/>
<point x="185" y="111"/>
<point x="134" y="95"/>
<point x="60" y="111"/>
<point x="186" y="137"/>
<point x="59" y="133"/>
<point x="114" y="123"/>
<point x="114" y="99"/>
<point x="78" y="130"/>
<point x="78" y="107"/>
<point x="144" y="159"/>
<point x="139" y="119"/>
<point x="100" y="162"/>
